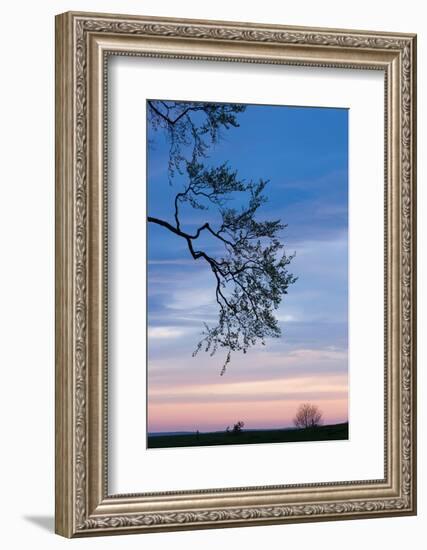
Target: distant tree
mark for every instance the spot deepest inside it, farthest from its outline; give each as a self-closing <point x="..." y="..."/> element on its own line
<point x="246" y="257"/>
<point x="237" y="428"/>
<point x="308" y="416"/>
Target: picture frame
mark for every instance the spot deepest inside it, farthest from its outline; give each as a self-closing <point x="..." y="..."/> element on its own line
<point x="84" y="505"/>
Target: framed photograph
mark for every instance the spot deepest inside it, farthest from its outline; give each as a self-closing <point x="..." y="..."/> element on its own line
<point x="235" y="274"/>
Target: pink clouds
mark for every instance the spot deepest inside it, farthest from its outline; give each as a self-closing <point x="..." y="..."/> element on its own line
<point x="261" y="403"/>
<point x="189" y="416"/>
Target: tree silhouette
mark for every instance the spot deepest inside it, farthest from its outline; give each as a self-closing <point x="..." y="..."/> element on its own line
<point x="238" y="427"/>
<point x="249" y="264"/>
<point x="308" y="416"/>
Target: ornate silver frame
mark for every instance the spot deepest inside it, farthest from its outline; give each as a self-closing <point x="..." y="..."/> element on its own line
<point x="83" y="505"/>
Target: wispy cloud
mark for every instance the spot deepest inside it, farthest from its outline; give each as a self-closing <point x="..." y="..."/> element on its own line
<point x="254" y="367"/>
<point x="164" y="333"/>
<point x="171" y="262"/>
<point x="285" y="318"/>
<point x="191" y="299"/>
<point x="294" y="387"/>
<point x="319" y="184"/>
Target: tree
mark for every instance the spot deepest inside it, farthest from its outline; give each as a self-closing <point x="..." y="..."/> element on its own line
<point x="237" y="428"/>
<point x="248" y="261"/>
<point x="308" y="416"/>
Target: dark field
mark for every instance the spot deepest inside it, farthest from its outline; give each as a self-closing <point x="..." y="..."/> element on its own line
<point x="323" y="433"/>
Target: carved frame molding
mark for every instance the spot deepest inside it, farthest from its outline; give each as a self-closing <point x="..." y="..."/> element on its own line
<point x="83" y="42"/>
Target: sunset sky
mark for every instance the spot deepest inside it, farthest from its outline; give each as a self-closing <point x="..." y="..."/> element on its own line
<point x="303" y="152"/>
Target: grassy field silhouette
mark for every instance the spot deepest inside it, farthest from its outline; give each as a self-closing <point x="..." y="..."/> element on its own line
<point x="245" y="437"/>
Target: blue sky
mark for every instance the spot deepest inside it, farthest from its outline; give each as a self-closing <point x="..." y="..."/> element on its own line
<point x="303" y="152"/>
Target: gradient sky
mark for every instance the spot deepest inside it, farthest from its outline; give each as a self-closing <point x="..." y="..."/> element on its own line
<point x="303" y="152"/>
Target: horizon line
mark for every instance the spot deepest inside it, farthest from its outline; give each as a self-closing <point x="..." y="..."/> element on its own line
<point x="243" y="429"/>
